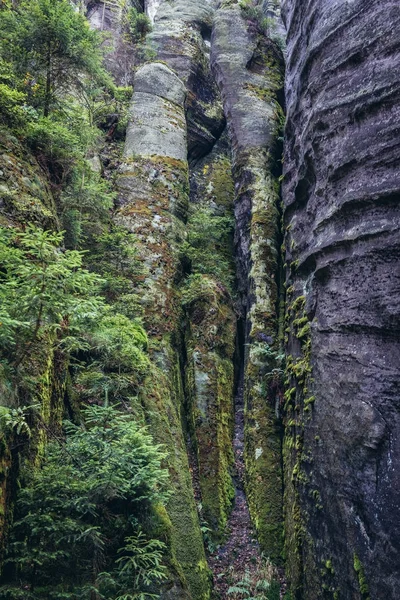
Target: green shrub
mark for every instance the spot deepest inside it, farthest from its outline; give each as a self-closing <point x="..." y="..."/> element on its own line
<point x="85" y="205"/>
<point x="11" y="106"/>
<point x="260" y="583"/>
<point x="210" y="235"/>
<point x="53" y="44"/>
<point x="138" y="24"/>
<point x="56" y="148"/>
<point x="77" y="529"/>
<point x="43" y="290"/>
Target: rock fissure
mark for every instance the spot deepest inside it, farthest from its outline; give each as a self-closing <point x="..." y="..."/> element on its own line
<point x="240" y="551"/>
<point x="257" y="294"/>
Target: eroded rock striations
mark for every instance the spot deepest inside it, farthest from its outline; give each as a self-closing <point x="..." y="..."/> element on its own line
<point x="249" y="70"/>
<point x="341" y="195"/>
<point x="230" y="176"/>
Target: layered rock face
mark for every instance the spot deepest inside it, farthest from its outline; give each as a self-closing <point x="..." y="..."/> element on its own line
<point x="153" y="186"/>
<point x="249" y="71"/>
<point x="199" y="194"/>
<point x="110" y="17"/>
<point x="154" y="195"/>
<point x="341" y="195"/>
<point x="177" y="133"/>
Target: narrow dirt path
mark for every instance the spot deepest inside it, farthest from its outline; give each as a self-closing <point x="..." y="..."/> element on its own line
<point x="240" y="556"/>
<point x="241" y="551"/>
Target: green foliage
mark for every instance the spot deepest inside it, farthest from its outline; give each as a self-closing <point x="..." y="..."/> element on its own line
<point x="46" y="296"/>
<point x="55" y="146"/>
<point x="55" y="94"/>
<point x="85" y="206"/>
<point x="13" y="110"/>
<point x="138" y="568"/>
<point x="51" y="46"/>
<point x="15" y="419"/>
<point x="138" y="24"/>
<point x="266" y="25"/>
<point x="76" y="529"/>
<point x="43" y="290"/>
<point x="115" y="363"/>
<point x="254" y="586"/>
<point x="362" y="581"/>
<point x="103" y="101"/>
<point x="11" y="105"/>
<point x="113" y="254"/>
<point x="210" y="235"/>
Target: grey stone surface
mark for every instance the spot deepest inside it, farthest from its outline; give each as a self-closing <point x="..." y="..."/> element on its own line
<point x="341" y="193"/>
<point x="181" y="39"/>
<point x="109" y="18"/>
<point x="158" y="79"/>
<point x="157" y="123"/>
<point x="233" y="46"/>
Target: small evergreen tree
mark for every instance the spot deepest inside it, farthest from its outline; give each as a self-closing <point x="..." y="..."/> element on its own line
<point x="52" y="47"/>
<point x="43" y="290"/>
<point x="76" y="533"/>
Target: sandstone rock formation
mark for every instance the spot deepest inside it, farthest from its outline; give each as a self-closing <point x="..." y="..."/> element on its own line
<point x="249" y="71"/>
<point x="341" y="196"/>
<point x="246" y="70"/>
<point x="285" y="297"/>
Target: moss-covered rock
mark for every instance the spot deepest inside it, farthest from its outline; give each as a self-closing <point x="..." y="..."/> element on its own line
<point x="211" y="332"/>
<point x="153" y="186"/>
<point x="25" y="195"/>
<point x="210" y="385"/>
<point x="249" y="70"/>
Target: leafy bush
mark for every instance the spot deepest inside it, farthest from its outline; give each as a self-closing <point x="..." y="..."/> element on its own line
<point x="266" y="25"/>
<point x="85" y="205"/>
<point x="55" y="146"/>
<point x="138" y="24"/>
<point x="11" y="105"/>
<point x="47" y="297"/>
<point x="53" y="43"/>
<point x="115" y="363"/>
<point x="77" y="519"/>
<point x="15" y="419"/>
<point x="260" y="583"/>
<point x="210" y="235"/>
<point x="43" y="290"/>
<point x="113" y="254"/>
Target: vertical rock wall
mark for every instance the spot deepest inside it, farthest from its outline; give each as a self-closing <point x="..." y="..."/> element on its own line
<point x="249" y="70"/>
<point x="211" y="333"/>
<point x="154" y="194"/>
<point x="25" y="197"/>
<point x="228" y="174"/>
<point x="341" y="195"/>
<point x="110" y="17"/>
<point x="154" y="188"/>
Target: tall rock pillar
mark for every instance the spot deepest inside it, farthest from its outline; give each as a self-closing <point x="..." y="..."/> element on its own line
<point x="153" y="197"/>
<point x="249" y="71"/>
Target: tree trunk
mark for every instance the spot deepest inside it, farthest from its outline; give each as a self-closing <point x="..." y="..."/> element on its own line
<point x="47" y="97"/>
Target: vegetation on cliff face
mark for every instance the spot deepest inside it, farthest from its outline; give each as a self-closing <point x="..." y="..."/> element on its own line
<point x="119" y="306"/>
<point x="51" y="48"/>
<point x="76" y="531"/>
<point x="142" y="289"/>
<point x="72" y="344"/>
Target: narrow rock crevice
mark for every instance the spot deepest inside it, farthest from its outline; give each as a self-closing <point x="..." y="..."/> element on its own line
<point x="240" y="551"/>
